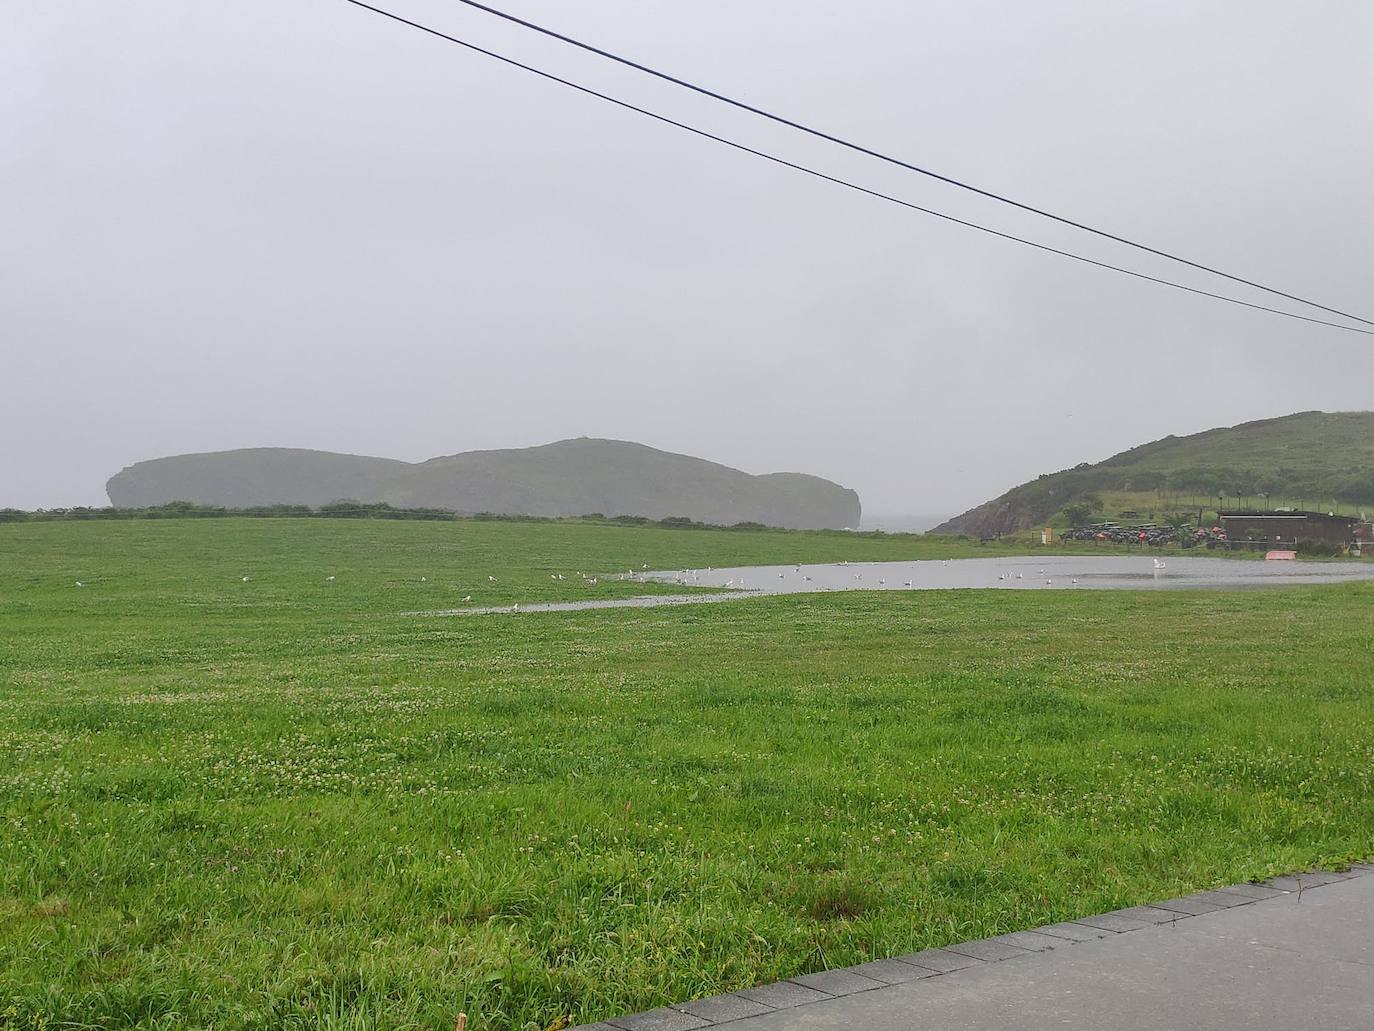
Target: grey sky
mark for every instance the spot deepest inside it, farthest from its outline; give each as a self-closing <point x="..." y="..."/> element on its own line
<point x="292" y="223"/>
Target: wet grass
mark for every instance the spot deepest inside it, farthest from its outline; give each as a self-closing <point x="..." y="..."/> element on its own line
<point x="278" y="804"/>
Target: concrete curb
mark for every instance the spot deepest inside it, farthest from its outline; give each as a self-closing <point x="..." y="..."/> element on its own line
<point x="948" y="961"/>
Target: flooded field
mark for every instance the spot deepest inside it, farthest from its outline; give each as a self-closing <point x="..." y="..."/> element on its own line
<point x="226" y="738"/>
<point x="1051" y="572"/>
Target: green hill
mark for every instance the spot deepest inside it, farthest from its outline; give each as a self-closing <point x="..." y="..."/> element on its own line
<point x="567" y="478"/>
<point x="1311" y="458"/>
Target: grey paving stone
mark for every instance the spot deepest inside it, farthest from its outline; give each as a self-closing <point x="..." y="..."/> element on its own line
<point x="1070" y="931"/>
<point x="782" y="995"/>
<point x="942" y="961"/>
<point x="592" y="1027"/>
<point x="720" y="1008"/>
<point x="659" y="1020"/>
<point x="1303" y="881"/>
<point x="1223" y="899"/>
<point x="893" y="971"/>
<point x="1285" y="883"/>
<point x="1320" y="877"/>
<point x="1363" y="867"/>
<point x="1189" y="905"/>
<point x="1151" y="914"/>
<point x="1253" y="891"/>
<point x="1032" y="940"/>
<point x="1112" y="922"/>
<point x="1279" y="966"/>
<point x="987" y="950"/>
<point x="837" y="982"/>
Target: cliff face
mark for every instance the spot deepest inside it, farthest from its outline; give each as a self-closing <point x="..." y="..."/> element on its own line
<point x="1006" y="514"/>
<point x="567" y="478"/>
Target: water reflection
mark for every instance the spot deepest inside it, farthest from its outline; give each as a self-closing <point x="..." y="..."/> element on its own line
<point x="1050" y="573"/>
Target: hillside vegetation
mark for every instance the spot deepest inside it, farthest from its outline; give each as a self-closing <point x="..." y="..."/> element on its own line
<point x="567" y="478"/>
<point x="1311" y="458"/>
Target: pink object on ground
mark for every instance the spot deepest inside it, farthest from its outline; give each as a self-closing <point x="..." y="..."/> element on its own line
<point x="1275" y="556"/>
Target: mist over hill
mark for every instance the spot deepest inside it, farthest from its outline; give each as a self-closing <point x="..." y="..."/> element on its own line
<point x="1320" y="456"/>
<point x="566" y="478"/>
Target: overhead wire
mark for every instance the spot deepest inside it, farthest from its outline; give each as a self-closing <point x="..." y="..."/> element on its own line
<point x="881" y="156"/>
<point x="807" y="170"/>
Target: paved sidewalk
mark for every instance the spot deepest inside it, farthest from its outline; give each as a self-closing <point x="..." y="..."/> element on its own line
<point x="1294" y="954"/>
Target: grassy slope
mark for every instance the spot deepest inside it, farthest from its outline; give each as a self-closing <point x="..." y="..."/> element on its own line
<point x="1310" y="458"/>
<point x="277" y="804"/>
<point x="1308" y="453"/>
<point x="1159" y="505"/>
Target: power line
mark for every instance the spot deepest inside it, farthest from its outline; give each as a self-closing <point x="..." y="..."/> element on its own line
<point x="870" y="152"/>
<point x="626" y="105"/>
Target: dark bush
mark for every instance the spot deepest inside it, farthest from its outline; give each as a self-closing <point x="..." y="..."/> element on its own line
<point x="1319" y="549"/>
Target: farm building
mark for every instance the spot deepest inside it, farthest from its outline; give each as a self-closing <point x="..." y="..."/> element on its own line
<point x="1289" y="526"/>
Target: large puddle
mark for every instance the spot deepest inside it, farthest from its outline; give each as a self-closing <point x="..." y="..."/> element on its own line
<point x="1050" y="573"/>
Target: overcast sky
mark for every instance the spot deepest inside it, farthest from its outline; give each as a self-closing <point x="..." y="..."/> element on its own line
<point x="292" y="223"/>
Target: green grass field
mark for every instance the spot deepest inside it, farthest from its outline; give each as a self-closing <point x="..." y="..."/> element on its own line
<point x="282" y="804"/>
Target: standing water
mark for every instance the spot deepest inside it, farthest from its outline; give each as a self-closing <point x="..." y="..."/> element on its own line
<point x="1016" y="573"/>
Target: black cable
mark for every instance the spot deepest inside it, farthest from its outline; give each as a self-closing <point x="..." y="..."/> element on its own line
<point x="860" y="148"/>
<point x="842" y="182"/>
